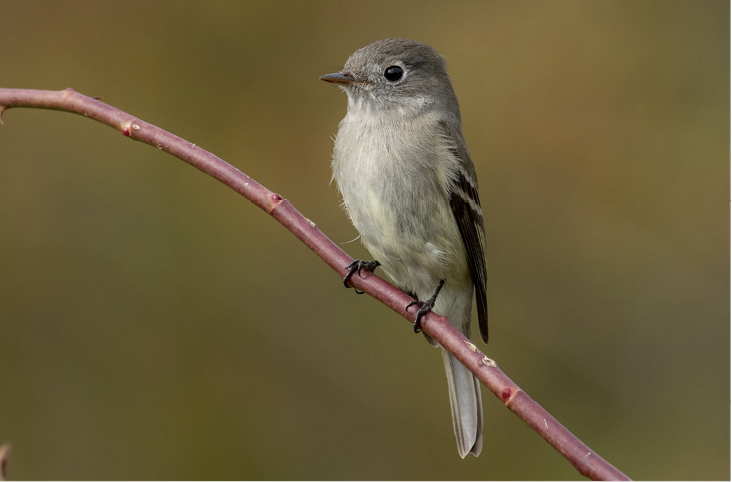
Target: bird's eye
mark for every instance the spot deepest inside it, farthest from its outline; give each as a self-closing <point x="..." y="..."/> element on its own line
<point x="393" y="73"/>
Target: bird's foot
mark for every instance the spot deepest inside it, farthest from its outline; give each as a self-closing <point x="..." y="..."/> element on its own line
<point x="355" y="267"/>
<point x="425" y="307"/>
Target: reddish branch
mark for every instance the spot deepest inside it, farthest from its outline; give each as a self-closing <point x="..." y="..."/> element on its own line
<point x="438" y="327"/>
<point x="4" y="457"/>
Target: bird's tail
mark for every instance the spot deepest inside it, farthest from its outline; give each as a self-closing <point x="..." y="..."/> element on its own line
<point x="466" y="405"/>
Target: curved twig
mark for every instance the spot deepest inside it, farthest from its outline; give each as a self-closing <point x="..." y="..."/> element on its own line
<point x="586" y="461"/>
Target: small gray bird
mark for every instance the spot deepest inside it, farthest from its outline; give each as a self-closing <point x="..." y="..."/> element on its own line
<point x="409" y="187"/>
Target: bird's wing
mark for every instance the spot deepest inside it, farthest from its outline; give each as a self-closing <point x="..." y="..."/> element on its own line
<point x="465" y="205"/>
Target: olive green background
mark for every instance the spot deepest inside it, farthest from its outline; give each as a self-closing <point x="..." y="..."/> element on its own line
<point x="155" y="325"/>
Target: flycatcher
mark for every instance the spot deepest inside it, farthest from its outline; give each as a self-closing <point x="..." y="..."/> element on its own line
<point x="409" y="187"/>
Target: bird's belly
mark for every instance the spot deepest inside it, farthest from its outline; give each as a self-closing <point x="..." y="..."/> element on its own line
<point x="413" y="234"/>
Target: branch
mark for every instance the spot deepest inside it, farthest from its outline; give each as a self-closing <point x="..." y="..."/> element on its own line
<point x="4" y="458"/>
<point x="587" y="462"/>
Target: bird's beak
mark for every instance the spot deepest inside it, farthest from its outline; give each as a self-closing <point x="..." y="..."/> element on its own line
<point x="340" y="78"/>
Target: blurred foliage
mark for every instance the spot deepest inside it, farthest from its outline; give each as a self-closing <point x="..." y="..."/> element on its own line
<point x="154" y="325"/>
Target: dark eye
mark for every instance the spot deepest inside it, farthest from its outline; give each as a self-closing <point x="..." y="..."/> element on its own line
<point x="393" y="73"/>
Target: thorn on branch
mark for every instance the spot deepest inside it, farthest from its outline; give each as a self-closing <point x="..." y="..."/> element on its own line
<point x="276" y="200"/>
<point x="506" y="394"/>
<point x="126" y="129"/>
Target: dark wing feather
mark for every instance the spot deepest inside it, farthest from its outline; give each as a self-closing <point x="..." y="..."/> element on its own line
<point x="465" y="205"/>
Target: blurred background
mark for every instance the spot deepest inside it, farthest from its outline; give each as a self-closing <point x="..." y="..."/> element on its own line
<point x="155" y="325"/>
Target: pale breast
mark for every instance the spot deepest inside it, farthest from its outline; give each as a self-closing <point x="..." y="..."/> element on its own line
<point x="394" y="186"/>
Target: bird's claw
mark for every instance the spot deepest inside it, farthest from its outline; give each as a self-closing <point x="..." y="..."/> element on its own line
<point x="355" y="267"/>
<point x="425" y="307"/>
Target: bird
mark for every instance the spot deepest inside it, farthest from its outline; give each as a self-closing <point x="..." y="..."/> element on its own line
<point x="409" y="186"/>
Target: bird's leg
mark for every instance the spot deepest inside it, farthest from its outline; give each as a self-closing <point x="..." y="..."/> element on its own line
<point x="356" y="266"/>
<point x="425" y="307"/>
